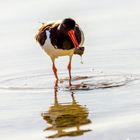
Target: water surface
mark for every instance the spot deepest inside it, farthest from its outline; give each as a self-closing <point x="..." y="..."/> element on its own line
<point x="103" y="102"/>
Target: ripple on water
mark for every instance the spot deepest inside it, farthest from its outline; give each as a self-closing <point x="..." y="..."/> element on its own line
<point x="43" y="81"/>
<point x="101" y="81"/>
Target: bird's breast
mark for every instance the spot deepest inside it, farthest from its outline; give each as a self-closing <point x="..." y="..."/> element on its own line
<point x="52" y="50"/>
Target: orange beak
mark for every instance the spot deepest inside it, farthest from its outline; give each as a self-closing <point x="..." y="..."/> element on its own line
<point x="73" y="38"/>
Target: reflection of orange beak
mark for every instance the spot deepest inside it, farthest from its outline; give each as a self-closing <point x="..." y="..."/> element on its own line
<point x="73" y="38"/>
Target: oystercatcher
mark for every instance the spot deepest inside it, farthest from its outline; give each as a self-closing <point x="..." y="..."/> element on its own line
<point x="61" y="38"/>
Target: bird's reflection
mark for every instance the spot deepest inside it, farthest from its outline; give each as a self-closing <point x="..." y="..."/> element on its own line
<point x="62" y="116"/>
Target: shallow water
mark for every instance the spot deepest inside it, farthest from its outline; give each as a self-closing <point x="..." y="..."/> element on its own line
<point x="103" y="102"/>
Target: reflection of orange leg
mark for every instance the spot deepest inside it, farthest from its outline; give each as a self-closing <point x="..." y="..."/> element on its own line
<point x="69" y="69"/>
<point x="55" y="92"/>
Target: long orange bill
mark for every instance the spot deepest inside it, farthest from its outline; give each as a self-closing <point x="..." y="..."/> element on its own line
<point x="73" y="38"/>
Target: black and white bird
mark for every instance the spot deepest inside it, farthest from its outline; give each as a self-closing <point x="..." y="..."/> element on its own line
<point x="61" y="38"/>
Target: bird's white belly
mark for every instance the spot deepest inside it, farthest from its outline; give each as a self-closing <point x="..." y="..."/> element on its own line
<point x="54" y="52"/>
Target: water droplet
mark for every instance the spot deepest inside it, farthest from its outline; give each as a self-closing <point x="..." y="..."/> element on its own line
<point x="81" y="60"/>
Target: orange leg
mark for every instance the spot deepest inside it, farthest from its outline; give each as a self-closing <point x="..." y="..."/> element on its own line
<point x="69" y="69"/>
<point x="55" y="70"/>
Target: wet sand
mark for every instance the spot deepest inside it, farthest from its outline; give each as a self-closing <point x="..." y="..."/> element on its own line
<point x="103" y="102"/>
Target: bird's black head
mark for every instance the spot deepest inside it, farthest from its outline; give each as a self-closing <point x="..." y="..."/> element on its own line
<point x="68" y="24"/>
<point x="67" y="27"/>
